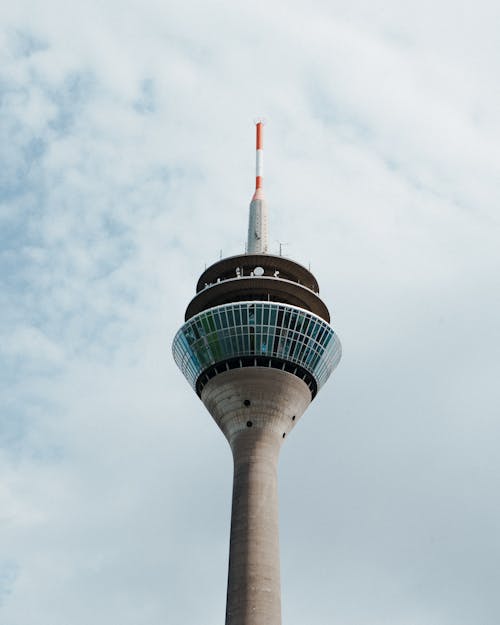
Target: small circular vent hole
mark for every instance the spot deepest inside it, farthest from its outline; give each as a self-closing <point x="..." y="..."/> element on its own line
<point x="246" y="403"/>
<point x="249" y="424"/>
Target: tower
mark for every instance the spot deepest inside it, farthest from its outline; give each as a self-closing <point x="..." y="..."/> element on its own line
<point x="256" y="346"/>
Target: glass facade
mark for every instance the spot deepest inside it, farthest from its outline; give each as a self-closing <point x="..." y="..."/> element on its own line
<point x="260" y="329"/>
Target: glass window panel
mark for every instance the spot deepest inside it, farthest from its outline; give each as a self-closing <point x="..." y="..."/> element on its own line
<point x="239" y="343"/>
<point x="204" y="356"/>
<point x="217" y="320"/>
<point x="286" y="319"/>
<point x="327" y="338"/>
<point x="234" y="343"/>
<point x="208" y="323"/>
<point x="300" y="322"/>
<point x="276" y="340"/>
<point x="214" y="347"/>
<point x="225" y="345"/>
<point x="314" y="329"/>
<point x="258" y="315"/>
<point x="265" y="315"/>
<point x="307" y="325"/>
<point x="267" y="340"/>
<point x="313" y="359"/>
<point x="297" y="345"/>
<point x="320" y="334"/>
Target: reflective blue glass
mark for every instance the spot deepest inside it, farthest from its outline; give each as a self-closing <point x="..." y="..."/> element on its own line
<point x="257" y="329"/>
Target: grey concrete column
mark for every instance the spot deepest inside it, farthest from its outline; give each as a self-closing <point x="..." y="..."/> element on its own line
<point x="256" y="408"/>
<point x="253" y="591"/>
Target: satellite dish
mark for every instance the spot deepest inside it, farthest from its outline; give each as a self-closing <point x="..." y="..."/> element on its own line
<point x="258" y="271"/>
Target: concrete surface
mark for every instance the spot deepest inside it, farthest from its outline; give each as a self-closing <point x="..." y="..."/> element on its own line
<point x="256" y="408"/>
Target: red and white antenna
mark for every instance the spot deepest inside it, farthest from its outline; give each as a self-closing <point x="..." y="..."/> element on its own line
<point x="259" y="161"/>
<point x="257" y="220"/>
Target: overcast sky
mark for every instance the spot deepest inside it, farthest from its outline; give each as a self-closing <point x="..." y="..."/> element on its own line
<point x="126" y="164"/>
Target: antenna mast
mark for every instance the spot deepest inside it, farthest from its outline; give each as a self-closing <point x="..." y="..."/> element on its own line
<point x="257" y="219"/>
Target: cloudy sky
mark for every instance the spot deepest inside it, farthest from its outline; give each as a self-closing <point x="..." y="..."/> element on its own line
<point x="126" y="164"/>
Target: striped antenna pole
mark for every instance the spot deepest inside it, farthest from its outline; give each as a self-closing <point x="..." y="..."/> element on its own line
<point x="257" y="220"/>
<point x="259" y="161"/>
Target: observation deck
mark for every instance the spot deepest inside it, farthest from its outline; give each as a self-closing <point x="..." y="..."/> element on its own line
<point x="258" y="334"/>
<point x="260" y="277"/>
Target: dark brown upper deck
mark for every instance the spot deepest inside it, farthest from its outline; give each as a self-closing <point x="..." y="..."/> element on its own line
<point x="272" y="266"/>
<point x="259" y="277"/>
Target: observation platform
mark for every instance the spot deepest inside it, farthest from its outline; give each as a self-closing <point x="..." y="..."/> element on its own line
<point x="261" y="277"/>
<point x="255" y="333"/>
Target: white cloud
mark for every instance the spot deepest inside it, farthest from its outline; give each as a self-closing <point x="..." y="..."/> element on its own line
<point x="126" y="164"/>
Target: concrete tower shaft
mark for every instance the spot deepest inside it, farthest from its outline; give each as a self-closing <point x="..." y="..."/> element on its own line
<point x="255" y="408"/>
